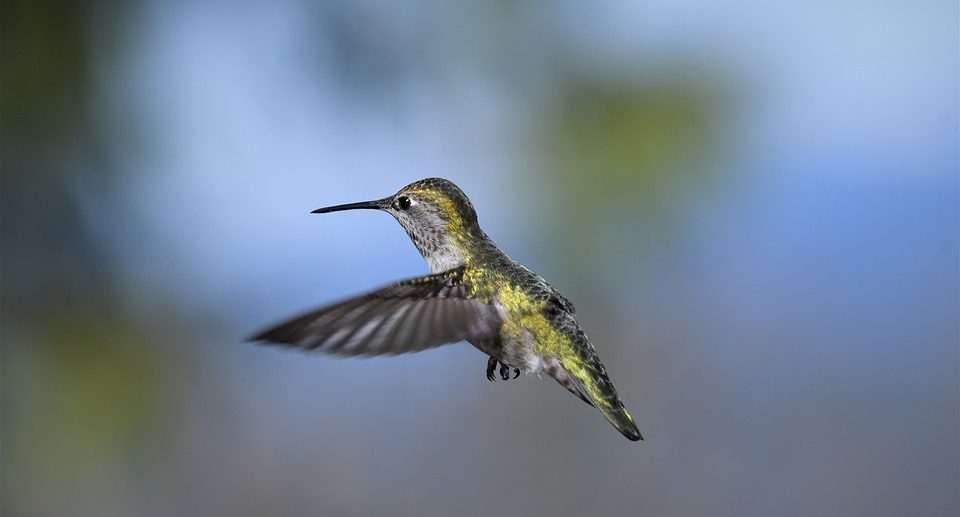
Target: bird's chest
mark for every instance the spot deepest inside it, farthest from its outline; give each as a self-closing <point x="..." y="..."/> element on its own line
<point x="443" y="258"/>
<point x="522" y="335"/>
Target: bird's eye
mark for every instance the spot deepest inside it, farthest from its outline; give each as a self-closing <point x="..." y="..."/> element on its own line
<point x="403" y="202"/>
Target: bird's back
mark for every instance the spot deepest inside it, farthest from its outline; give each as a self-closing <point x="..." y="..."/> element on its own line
<point x="537" y="317"/>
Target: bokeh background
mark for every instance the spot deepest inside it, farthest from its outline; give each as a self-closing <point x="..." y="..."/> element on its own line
<point x="753" y="204"/>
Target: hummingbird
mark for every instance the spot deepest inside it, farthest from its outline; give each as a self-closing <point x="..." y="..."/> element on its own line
<point x="474" y="293"/>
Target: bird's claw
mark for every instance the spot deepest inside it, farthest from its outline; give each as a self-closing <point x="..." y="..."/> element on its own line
<point x="504" y="370"/>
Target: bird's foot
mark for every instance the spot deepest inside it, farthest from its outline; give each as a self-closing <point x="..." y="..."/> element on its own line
<point x="504" y="370"/>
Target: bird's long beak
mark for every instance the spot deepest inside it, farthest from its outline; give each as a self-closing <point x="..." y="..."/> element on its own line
<point x="373" y="205"/>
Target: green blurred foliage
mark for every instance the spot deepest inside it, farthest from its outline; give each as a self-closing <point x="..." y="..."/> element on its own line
<point x="630" y="151"/>
<point x="627" y="136"/>
<point x="44" y="81"/>
<point x="89" y="381"/>
<point x="44" y="123"/>
<point x="81" y="405"/>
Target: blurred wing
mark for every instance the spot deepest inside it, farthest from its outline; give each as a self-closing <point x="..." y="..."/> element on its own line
<point x="406" y="317"/>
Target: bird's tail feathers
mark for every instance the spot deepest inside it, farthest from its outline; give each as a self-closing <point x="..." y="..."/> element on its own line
<point x="595" y="389"/>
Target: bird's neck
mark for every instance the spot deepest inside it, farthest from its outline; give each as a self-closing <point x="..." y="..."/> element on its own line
<point x="442" y="254"/>
<point x="445" y="250"/>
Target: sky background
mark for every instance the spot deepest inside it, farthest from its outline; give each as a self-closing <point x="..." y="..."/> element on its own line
<point x="754" y="207"/>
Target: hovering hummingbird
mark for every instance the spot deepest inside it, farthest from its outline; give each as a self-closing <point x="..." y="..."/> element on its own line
<point x="475" y="292"/>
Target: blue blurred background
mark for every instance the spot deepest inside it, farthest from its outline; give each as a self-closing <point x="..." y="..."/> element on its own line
<point x="754" y="206"/>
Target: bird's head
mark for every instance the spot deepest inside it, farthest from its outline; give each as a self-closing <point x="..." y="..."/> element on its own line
<point x="437" y="216"/>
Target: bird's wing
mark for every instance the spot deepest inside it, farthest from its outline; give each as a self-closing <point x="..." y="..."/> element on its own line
<point x="409" y="316"/>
